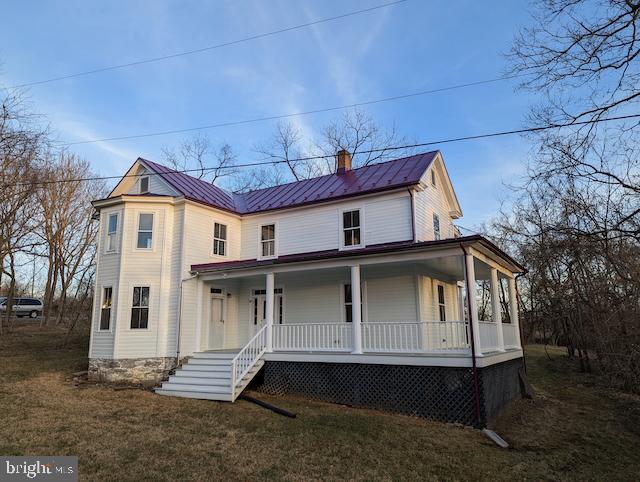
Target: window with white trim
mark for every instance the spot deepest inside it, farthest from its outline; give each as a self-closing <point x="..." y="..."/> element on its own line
<point x="442" y="309"/>
<point x="112" y="232"/>
<point x="433" y="178"/>
<point x="436" y="226"/>
<point x="144" y="185"/>
<point x="140" y="308"/>
<point x="351" y="228"/>
<point x="347" y="302"/>
<point x="145" y="231"/>
<point x="268" y="240"/>
<point x="220" y="239"/>
<point x="105" y="310"/>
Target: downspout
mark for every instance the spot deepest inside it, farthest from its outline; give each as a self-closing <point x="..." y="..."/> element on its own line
<point x="180" y="315"/>
<point x="476" y="389"/>
<point x="413" y="213"/>
<point x="524" y="360"/>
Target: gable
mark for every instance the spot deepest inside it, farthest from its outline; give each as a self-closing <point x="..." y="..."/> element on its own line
<point x="130" y="182"/>
<point x="443" y="185"/>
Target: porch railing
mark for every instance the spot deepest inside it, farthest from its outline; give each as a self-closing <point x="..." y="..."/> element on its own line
<point x="510" y="335"/>
<point x="313" y="337"/>
<point x="488" y="336"/>
<point x="414" y="337"/>
<point x="246" y="358"/>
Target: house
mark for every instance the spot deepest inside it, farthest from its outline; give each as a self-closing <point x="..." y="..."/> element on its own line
<point x="349" y="287"/>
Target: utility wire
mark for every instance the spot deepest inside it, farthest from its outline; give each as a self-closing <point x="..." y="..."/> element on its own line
<point x="328" y="156"/>
<point x="205" y="49"/>
<point x="296" y="114"/>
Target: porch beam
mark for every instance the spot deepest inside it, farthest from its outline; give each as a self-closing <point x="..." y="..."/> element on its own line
<point x="356" y="309"/>
<point x="470" y="278"/>
<point x="513" y="308"/>
<point x="496" y="309"/>
<point x="268" y="316"/>
<point x="490" y="262"/>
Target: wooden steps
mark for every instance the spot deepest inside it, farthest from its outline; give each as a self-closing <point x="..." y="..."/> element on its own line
<point x="207" y="376"/>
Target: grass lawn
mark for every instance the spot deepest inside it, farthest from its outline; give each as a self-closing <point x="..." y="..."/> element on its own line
<point x="573" y="430"/>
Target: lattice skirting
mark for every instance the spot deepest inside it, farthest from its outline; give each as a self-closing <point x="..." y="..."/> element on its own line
<point x="440" y="393"/>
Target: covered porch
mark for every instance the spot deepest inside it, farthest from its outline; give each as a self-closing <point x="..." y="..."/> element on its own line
<point x="408" y="303"/>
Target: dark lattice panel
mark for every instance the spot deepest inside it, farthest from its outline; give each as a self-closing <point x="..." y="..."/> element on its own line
<point x="499" y="385"/>
<point x="440" y="393"/>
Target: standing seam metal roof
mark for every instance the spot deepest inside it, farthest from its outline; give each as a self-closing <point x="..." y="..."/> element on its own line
<point x="384" y="176"/>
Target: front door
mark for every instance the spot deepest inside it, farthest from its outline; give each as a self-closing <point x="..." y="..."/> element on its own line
<point x="216" y="322"/>
<point x="259" y="306"/>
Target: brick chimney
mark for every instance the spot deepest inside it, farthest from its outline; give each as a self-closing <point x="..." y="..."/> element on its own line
<point x="344" y="161"/>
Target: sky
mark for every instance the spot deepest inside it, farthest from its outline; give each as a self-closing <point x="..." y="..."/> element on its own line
<point x="413" y="46"/>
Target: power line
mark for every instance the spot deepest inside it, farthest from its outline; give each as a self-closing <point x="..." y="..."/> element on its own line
<point x="327" y="156"/>
<point x="296" y="114"/>
<point x="211" y="47"/>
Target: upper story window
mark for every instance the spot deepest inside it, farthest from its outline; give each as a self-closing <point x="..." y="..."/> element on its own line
<point x="433" y="178"/>
<point x="105" y="310"/>
<point x="140" y="307"/>
<point x="144" y="185"/>
<point x="436" y="226"/>
<point x="351" y="228"/>
<point x="268" y="240"/>
<point x="442" y="309"/>
<point x="220" y="239"/>
<point x="112" y="232"/>
<point x="145" y="231"/>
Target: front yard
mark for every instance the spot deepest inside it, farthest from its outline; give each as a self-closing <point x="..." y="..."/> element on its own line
<point x="573" y="430"/>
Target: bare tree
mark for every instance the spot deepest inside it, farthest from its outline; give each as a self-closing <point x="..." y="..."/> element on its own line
<point x="202" y="159"/>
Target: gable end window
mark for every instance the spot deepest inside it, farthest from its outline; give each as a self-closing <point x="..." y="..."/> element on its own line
<point x="140" y="308"/>
<point x="351" y="228"/>
<point x="145" y="231"/>
<point x="144" y="185"/>
<point x="268" y="240"/>
<point x="433" y="178"/>
<point x="220" y="239"/>
<point x="436" y="226"/>
<point x="112" y="232"/>
<point x="105" y="310"/>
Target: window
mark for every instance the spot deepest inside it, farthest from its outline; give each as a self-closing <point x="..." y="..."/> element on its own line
<point x="144" y="185"/>
<point x="441" y="306"/>
<point x="145" y="231"/>
<point x="112" y="231"/>
<point x="140" y="307"/>
<point x="220" y="239"/>
<point x="351" y="227"/>
<point x="433" y="178"/>
<point x="436" y="226"/>
<point x="105" y="311"/>
<point x="259" y="305"/>
<point x="268" y="240"/>
<point x="348" y="303"/>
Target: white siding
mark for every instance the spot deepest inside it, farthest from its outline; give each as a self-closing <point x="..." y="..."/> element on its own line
<point x="429" y="201"/>
<point x="386" y="217"/>
<point x="156" y="184"/>
<point x="428" y="296"/>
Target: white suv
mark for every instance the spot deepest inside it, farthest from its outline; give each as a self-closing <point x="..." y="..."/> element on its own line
<point x="30" y="307"/>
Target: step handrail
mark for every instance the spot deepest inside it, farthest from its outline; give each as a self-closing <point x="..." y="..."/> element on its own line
<point x="246" y="358"/>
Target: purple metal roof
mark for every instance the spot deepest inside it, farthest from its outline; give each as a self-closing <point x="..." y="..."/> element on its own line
<point x="397" y="246"/>
<point x="388" y="175"/>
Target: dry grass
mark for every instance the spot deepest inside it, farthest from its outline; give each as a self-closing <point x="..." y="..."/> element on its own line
<point x="574" y="430"/>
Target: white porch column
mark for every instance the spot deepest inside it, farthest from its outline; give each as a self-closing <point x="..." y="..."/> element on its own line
<point x="513" y="309"/>
<point x="495" y="307"/>
<point x="470" y="274"/>
<point x="356" y="309"/>
<point x="199" y="310"/>
<point x="268" y="316"/>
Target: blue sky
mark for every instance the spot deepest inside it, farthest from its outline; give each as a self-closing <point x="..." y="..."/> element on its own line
<point x="410" y="47"/>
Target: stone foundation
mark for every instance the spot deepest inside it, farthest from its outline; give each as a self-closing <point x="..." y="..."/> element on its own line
<point x="145" y="371"/>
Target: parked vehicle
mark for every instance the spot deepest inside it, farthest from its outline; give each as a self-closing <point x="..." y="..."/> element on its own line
<point x="30" y="307"/>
